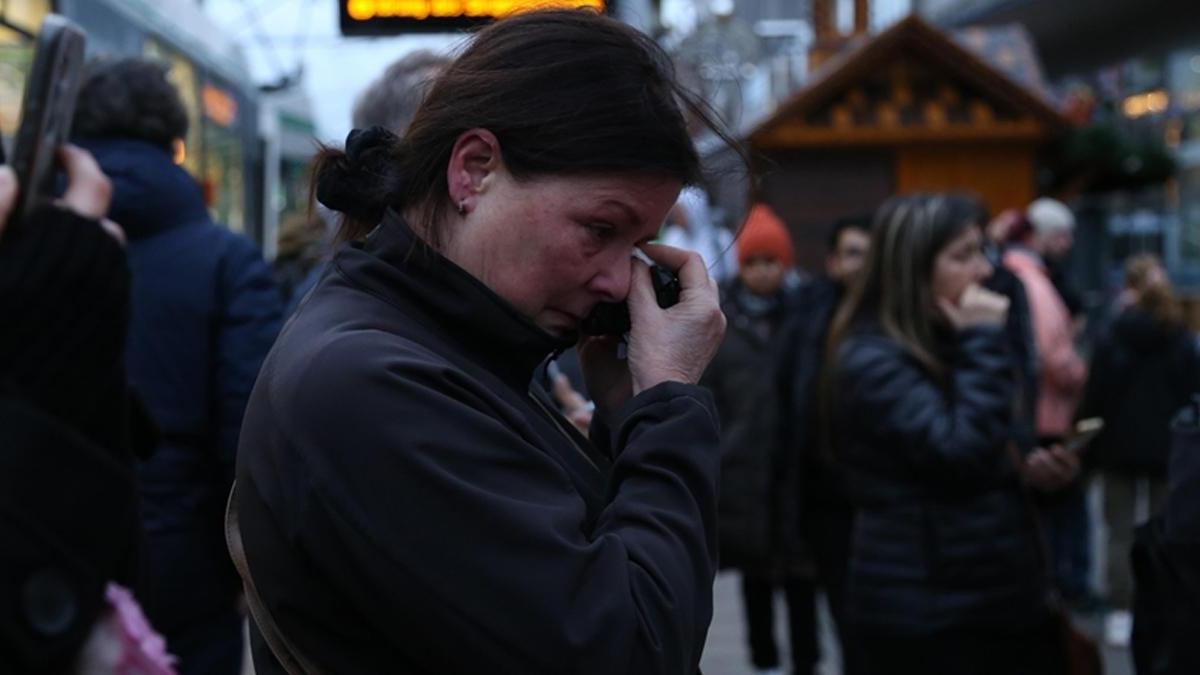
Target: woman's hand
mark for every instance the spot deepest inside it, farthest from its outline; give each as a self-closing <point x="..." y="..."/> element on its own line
<point x="977" y="307"/>
<point x="1052" y="469"/>
<point x="665" y="345"/>
<point x="88" y="190"/>
<point x="674" y="344"/>
<point x="576" y="408"/>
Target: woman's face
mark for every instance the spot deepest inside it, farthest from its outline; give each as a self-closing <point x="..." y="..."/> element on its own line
<point x="959" y="265"/>
<point x="554" y="247"/>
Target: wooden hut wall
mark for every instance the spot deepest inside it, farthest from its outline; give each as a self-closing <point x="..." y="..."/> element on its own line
<point x="810" y="189"/>
<point x="1001" y="174"/>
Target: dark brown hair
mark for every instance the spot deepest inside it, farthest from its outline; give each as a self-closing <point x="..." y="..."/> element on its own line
<point x="564" y="92"/>
<point x="1155" y="296"/>
<point x="129" y="98"/>
<point x="894" y="287"/>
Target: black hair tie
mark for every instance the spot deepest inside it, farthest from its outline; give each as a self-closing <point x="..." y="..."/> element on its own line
<point x="358" y="182"/>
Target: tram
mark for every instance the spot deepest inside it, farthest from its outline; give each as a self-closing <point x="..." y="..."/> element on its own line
<point x="245" y="148"/>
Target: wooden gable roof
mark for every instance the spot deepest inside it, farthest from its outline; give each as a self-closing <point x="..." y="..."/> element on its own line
<point x="911" y="83"/>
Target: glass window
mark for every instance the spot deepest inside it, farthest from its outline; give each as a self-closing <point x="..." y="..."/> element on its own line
<point x="26" y="14"/>
<point x="224" y="184"/>
<point x="16" y="58"/>
<point x="183" y="76"/>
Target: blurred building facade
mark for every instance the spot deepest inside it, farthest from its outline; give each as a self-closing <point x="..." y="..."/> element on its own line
<point x="1128" y="73"/>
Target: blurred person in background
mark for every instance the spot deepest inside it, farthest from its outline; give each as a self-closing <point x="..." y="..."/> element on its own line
<point x="760" y="479"/>
<point x="389" y="102"/>
<point x="826" y="514"/>
<point x="205" y="310"/>
<point x="1144" y="369"/>
<point x="69" y="431"/>
<point x="691" y="227"/>
<point x="393" y="98"/>
<point x="945" y="575"/>
<point x="1048" y="232"/>
<point x="302" y="246"/>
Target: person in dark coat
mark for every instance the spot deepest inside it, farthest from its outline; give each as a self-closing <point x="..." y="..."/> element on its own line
<point x="1144" y="368"/>
<point x="408" y="500"/>
<point x="825" y="510"/>
<point x="71" y="559"/>
<point x="204" y="313"/>
<point x="945" y="573"/>
<point x="757" y="514"/>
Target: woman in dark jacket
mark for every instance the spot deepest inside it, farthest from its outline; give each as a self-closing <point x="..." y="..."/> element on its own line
<point x="407" y="502"/>
<point x="1144" y="369"/>
<point x="945" y="575"/>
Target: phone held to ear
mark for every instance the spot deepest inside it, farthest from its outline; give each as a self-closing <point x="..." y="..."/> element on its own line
<point x="612" y="318"/>
<point x="47" y="107"/>
<point x="1085" y="432"/>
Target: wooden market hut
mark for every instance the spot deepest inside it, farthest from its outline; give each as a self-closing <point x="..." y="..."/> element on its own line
<point x="910" y="109"/>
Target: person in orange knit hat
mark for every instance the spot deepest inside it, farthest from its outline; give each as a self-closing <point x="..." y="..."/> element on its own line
<point x="758" y="532"/>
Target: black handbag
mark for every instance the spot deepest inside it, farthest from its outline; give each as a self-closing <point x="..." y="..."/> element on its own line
<point x="1166" y="563"/>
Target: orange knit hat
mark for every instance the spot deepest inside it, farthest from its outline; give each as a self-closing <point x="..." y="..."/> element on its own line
<point x="764" y="234"/>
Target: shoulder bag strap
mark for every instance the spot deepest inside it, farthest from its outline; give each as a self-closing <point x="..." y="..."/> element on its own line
<point x="285" y="652"/>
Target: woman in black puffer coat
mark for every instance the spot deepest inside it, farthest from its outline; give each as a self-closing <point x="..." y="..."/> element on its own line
<point x="945" y="575"/>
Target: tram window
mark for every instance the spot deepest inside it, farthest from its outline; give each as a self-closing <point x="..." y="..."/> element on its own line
<point x="26" y="15"/>
<point x="183" y="75"/>
<point x="224" y="182"/>
<point x="16" y="57"/>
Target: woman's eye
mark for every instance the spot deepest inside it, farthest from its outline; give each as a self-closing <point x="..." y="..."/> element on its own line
<point x="601" y="230"/>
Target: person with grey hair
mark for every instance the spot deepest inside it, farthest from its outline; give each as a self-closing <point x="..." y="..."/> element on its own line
<point x="1055" y="225"/>
<point x="391" y="100"/>
<point x="1048" y="234"/>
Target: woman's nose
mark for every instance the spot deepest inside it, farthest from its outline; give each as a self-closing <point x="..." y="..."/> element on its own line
<point x="613" y="279"/>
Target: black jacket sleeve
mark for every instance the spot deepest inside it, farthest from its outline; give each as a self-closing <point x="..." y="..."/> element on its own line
<point x="464" y="542"/>
<point x="951" y="434"/>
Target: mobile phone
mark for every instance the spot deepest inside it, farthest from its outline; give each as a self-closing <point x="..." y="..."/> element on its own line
<point x="46" y="109"/>
<point x="1085" y="432"/>
<point x="612" y="318"/>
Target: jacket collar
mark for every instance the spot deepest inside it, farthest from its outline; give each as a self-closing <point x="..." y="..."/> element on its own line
<point x="150" y="193"/>
<point x="394" y="263"/>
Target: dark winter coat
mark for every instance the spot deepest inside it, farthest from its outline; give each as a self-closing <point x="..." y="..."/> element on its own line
<point x="1142" y="373"/>
<point x="801" y="359"/>
<point x="1018" y="326"/>
<point x="409" y="504"/>
<point x="942" y="536"/>
<point x="204" y="313"/>
<point x="759" y="477"/>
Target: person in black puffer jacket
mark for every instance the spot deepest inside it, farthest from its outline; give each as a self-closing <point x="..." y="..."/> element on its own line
<point x="1144" y="369"/>
<point x="945" y="573"/>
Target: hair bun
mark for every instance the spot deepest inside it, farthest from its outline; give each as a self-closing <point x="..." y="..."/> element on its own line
<point x="357" y="180"/>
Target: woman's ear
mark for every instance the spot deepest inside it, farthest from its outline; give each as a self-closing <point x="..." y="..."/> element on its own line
<point x="473" y="164"/>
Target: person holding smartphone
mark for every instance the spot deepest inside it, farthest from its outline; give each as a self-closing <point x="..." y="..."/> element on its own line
<point x="406" y="500"/>
<point x="945" y="573"/>
<point x="71" y="560"/>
